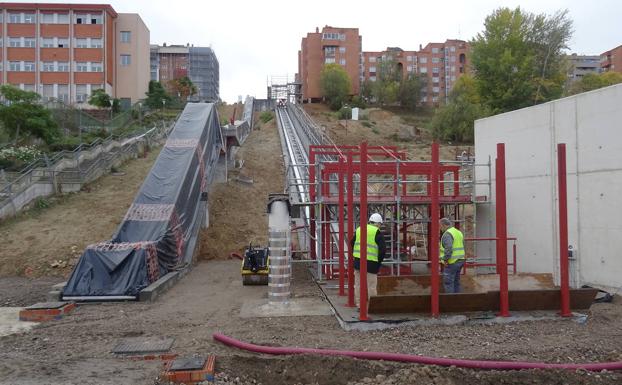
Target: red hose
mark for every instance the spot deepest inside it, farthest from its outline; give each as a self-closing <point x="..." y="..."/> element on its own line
<point x="400" y="357"/>
<point x="236" y="255"/>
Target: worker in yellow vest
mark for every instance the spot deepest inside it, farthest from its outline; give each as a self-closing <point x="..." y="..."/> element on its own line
<point x="452" y="255"/>
<point x="375" y="256"/>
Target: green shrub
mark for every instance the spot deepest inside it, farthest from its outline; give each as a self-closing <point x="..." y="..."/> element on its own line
<point x="68" y="143"/>
<point x="42" y="203"/>
<point x="367" y="124"/>
<point x="358" y="102"/>
<point x="266" y="116"/>
<point x="15" y="158"/>
<point x="344" y="113"/>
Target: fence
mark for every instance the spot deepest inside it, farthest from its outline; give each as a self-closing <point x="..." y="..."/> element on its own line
<point x="67" y="171"/>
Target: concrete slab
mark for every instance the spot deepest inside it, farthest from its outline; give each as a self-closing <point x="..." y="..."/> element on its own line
<point x="10" y="323"/>
<point x="141" y="345"/>
<point x="259" y="308"/>
<point x="348" y="317"/>
<point x="151" y="292"/>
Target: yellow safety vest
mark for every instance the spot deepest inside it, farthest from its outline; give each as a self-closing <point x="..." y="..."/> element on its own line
<point x="457" y="249"/>
<point x="372" y="247"/>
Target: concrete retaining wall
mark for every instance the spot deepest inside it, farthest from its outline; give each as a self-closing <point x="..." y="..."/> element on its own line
<point x="591" y="126"/>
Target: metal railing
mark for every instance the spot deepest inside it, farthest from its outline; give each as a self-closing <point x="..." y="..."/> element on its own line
<point x="81" y="165"/>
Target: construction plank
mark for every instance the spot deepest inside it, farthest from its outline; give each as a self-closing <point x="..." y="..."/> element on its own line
<point x="520" y="300"/>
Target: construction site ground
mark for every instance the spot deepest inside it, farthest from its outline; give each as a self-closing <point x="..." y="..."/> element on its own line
<point x="77" y="349"/>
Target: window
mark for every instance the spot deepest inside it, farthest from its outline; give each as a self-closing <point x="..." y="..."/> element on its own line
<point x="82" y="67"/>
<point x="47" y="42"/>
<point x="29" y="42"/>
<point x="29" y="87"/>
<point x="409" y="58"/>
<point x="409" y="68"/>
<point x="29" y="18"/>
<point x="1" y="66"/>
<point x="15" y="17"/>
<point x="435" y="79"/>
<point x="81" y="94"/>
<point x="329" y="51"/>
<point x="63" y="18"/>
<point x="333" y="36"/>
<point x="453" y="68"/>
<point x="452" y="59"/>
<point x="424" y="99"/>
<point x="452" y="48"/>
<point x="47" y="18"/>
<point x="15" y="66"/>
<point x="329" y="60"/>
<point x="372" y="78"/>
<point x="342" y="62"/>
<point x="372" y="69"/>
<point x="372" y="59"/>
<point x="423" y="70"/>
<point x="82" y="43"/>
<point x="96" y="19"/>
<point x="97" y="67"/>
<point x="47" y="91"/>
<point x="435" y="50"/>
<point x="435" y="70"/>
<point x="63" y="66"/>
<point x="453" y="78"/>
<point x="29" y="66"/>
<point x="126" y="36"/>
<point x="435" y="60"/>
<point x="63" y="92"/>
<point x="96" y="43"/>
<point x="80" y="19"/>
<point x="96" y="87"/>
<point x="342" y="49"/>
<point x="63" y="43"/>
<point x="48" y="66"/>
<point x="423" y="60"/>
<point x="434" y="99"/>
<point x="126" y="60"/>
<point x="461" y="70"/>
<point x="15" y="42"/>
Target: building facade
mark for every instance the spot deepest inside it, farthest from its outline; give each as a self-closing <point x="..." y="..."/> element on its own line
<point x="66" y="51"/>
<point x="332" y="45"/>
<point x="612" y="60"/>
<point x="440" y="64"/>
<point x="199" y="64"/>
<point x="580" y="65"/>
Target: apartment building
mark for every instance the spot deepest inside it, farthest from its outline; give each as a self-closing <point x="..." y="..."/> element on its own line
<point x="200" y="64"/>
<point x="580" y="65"/>
<point x="441" y="64"/>
<point x="65" y="51"/>
<point x="611" y="60"/>
<point x="332" y="45"/>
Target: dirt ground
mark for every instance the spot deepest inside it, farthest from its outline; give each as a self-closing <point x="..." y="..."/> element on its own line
<point x="238" y="210"/>
<point x="47" y="242"/>
<point x="77" y="349"/>
<point x="381" y="127"/>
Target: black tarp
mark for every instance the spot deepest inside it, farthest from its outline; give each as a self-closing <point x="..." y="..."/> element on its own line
<point x="161" y="225"/>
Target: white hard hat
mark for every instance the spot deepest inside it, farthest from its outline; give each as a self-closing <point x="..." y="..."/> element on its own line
<point x="375" y="218"/>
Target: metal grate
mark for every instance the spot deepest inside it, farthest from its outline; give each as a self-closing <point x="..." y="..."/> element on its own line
<point x="140" y="345"/>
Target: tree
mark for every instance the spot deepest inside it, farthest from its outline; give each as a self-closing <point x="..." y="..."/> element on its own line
<point x="335" y="85"/>
<point x="386" y="88"/>
<point x="156" y="96"/>
<point x="99" y="98"/>
<point x="518" y="58"/>
<point x="593" y="81"/>
<point x="23" y="114"/>
<point x="409" y="92"/>
<point x="455" y="120"/>
<point x="183" y="88"/>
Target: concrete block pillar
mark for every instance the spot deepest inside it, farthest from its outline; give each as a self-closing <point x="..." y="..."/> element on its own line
<point x="279" y="243"/>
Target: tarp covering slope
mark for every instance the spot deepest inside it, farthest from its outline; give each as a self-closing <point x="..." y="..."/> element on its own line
<point x="159" y="228"/>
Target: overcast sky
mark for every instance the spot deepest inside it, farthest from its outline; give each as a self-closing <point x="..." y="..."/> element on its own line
<point x="255" y="39"/>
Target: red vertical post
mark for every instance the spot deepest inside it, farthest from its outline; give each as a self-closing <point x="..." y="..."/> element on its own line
<point x="342" y="269"/>
<point x="563" y="230"/>
<point x="456" y="183"/>
<point x="434" y="230"/>
<point x="350" y="173"/>
<point x="502" y="236"/>
<point x="312" y="220"/>
<point x="363" y="240"/>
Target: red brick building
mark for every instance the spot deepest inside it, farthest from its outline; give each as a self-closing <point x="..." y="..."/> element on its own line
<point x="65" y="51"/>
<point x="440" y="63"/>
<point x="612" y="60"/>
<point x="332" y="45"/>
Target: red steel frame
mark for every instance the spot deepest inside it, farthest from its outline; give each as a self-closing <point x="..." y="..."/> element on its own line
<point x="563" y="231"/>
<point x="363" y="160"/>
